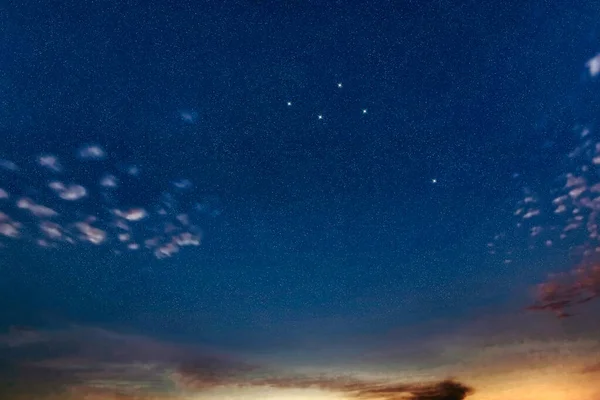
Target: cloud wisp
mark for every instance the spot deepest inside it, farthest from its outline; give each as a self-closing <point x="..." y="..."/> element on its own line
<point x="88" y="363"/>
<point x="562" y="292"/>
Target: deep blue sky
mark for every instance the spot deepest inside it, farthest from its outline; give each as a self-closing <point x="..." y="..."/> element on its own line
<point x="322" y="220"/>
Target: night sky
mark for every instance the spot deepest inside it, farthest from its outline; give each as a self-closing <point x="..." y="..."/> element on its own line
<point x="296" y="199"/>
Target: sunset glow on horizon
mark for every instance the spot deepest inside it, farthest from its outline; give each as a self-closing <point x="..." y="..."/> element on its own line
<point x="299" y="200"/>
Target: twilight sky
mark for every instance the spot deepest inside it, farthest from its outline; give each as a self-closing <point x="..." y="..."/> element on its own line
<point x="296" y="199"/>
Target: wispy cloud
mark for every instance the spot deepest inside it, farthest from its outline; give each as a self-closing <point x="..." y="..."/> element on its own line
<point x="592" y="369"/>
<point x="562" y="292"/>
<point x="352" y="387"/>
<point x="89" y="363"/>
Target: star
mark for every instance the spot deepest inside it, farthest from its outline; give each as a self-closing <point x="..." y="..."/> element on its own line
<point x="289" y="103"/>
<point x="340" y="85"/>
<point x="320" y="116"/>
<point x="434" y="180"/>
<point x="364" y="110"/>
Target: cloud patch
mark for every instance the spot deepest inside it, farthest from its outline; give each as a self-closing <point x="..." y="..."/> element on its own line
<point x="88" y="363"/>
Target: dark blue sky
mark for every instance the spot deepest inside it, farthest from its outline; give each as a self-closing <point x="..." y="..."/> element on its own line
<point x="329" y="229"/>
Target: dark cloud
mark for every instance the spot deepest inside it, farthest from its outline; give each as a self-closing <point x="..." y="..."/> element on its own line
<point x="446" y="390"/>
<point x="98" y="359"/>
<point x="95" y="363"/>
<point x="21" y="382"/>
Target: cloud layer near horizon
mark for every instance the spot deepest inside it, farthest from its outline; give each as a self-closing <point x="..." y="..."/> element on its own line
<point x="501" y="356"/>
<point x="87" y="363"/>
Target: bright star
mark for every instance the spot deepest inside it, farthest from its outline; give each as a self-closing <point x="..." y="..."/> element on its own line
<point x="320" y="117"/>
<point x="364" y="110"/>
<point x="340" y="85"/>
<point x="289" y="103"/>
<point x="434" y="180"/>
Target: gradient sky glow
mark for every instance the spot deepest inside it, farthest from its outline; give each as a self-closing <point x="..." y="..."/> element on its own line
<point x="297" y="199"/>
